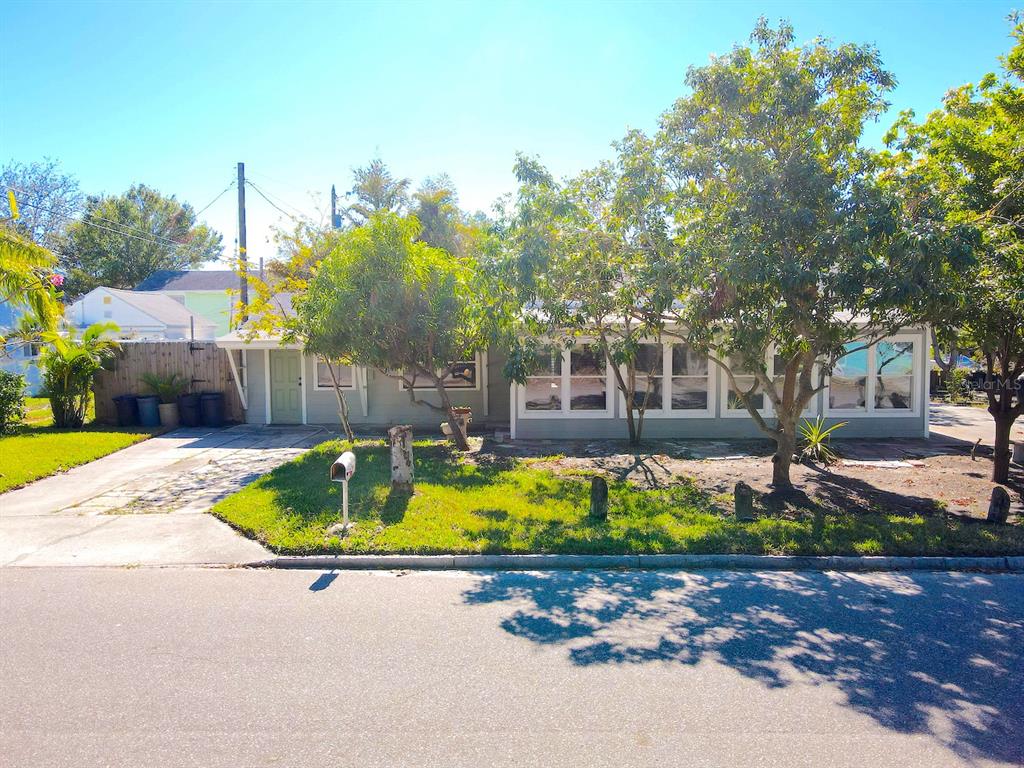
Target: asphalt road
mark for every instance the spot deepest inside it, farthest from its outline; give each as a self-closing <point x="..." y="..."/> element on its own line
<point x="177" y="667"/>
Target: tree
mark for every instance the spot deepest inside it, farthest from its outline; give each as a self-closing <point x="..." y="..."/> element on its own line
<point x="790" y="245"/>
<point x="970" y="156"/>
<point x="382" y="299"/>
<point x="48" y="200"/>
<point x="376" y="190"/>
<point x="69" y="364"/>
<point x="119" y="241"/>
<point x="590" y="242"/>
<point x="27" y="279"/>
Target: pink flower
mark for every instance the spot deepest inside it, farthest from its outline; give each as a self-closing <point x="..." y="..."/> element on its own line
<point x="56" y="280"/>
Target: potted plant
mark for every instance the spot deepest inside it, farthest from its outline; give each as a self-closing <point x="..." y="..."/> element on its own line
<point x="167" y="388"/>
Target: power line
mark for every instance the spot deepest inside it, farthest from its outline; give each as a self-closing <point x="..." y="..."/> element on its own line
<point x="273" y="204"/>
<point x="218" y="197"/>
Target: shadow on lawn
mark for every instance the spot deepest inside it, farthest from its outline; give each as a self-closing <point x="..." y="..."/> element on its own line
<point x="941" y="656"/>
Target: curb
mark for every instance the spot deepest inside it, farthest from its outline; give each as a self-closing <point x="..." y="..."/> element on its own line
<point x="643" y="562"/>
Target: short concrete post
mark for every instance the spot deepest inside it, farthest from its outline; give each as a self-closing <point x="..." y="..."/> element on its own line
<point x="598" y="499"/>
<point x="999" y="505"/>
<point x="401" y="458"/>
<point x="1018" y="453"/>
<point x="743" y="498"/>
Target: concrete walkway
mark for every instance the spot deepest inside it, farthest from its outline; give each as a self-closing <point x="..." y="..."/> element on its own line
<point x="141" y="505"/>
<point x="967" y="423"/>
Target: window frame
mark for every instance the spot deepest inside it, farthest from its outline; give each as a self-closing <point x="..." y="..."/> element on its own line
<point x="666" y="411"/>
<point x="330" y="387"/>
<point x="768" y="411"/>
<point x="477" y="361"/>
<point x="565" y="385"/>
<point x="869" y="410"/>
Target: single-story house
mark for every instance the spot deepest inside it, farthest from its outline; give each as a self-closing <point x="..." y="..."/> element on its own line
<point x="881" y="391"/>
<point x="139" y="315"/>
<point x="203" y="292"/>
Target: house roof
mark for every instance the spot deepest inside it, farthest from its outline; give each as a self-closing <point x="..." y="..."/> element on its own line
<point x="161" y="308"/>
<point x="190" y="280"/>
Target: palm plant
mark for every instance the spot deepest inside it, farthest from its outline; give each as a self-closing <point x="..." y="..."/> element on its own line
<point x="815" y="438"/>
<point x="26" y="276"/>
<point x="168" y="387"/>
<point x="69" y="364"/>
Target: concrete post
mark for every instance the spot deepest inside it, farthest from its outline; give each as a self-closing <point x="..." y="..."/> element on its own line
<point x="598" y="499"/>
<point x="743" y="497"/>
<point x="999" y="505"/>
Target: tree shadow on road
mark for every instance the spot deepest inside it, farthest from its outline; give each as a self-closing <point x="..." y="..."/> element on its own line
<point x="937" y="655"/>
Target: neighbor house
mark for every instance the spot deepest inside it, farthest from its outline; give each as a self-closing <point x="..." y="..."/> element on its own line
<point x="881" y="391"/>
<point x="203" y="292"/>
<point x="139" y="315"/>
<point x="19" y="358"/>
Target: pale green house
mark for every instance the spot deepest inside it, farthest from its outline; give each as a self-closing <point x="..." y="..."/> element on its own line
<point x="207" y="293"/>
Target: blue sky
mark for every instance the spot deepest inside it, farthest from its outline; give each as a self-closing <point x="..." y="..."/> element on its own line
<point x="173" y="95"/>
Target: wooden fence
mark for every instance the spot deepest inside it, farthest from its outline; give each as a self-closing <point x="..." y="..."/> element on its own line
<point x="201" y="362"/>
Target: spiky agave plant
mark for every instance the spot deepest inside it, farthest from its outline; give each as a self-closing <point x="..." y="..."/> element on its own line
<point x="815" y="438"/>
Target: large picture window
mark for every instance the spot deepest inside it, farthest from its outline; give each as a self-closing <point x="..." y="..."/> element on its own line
<point x="745" y="380"/>
<point x="675" y="380"/>
<point x="776" y="369"/>
<point x="878" y="380"/>
<point x="459" y="375"/>
<point x="569" y="382"/>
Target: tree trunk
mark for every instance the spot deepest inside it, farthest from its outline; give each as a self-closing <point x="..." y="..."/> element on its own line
<point x="785" y="446"/>
<point x="457" y="434"/>
<point x="1001" y="460"/>
<point x="342" y="403"/>
<point x="401" y="458"/>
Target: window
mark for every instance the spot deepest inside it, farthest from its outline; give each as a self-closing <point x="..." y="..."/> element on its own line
<point x="458" y="375"/>
<point x="744" y="382"/>
<point x="649" y="388"/>
<point x="543" y="391"/>
<point x="690" y="380"/>
<point x="877" y="380"/>
<point x="894" y="375"/>
<point x="848" y="385"/>
<point x="588" y="380"/>
<point x="567" y="382"/>
<point x="344" y="373"/>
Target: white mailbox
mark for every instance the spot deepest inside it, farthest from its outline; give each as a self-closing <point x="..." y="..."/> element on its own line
<point x="343" y="467"/>
<point x="341" y="472"/>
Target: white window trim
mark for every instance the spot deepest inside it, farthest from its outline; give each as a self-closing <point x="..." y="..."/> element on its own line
<point x="869" y="410"/>
<point x="566" y="393"/>
<point x="477" y="359"/>
<point x="768" y="411"/>
<point x="666" y="411"/>
<point x="330" y="387"/>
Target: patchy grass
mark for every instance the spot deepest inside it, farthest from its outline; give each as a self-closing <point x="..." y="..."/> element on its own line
<point x="38" y="450"/>
<point x="504" y="505"/>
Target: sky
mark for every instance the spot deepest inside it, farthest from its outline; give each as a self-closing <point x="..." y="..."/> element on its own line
<point x="173" y="95"/>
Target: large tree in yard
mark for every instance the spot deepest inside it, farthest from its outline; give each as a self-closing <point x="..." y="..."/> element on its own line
<point x="121" y="240"/>
<point x="581" y="254"/>
<point x="789" y="244"/>
<point x="970" y="156"/>
<point x="385" y="300"/>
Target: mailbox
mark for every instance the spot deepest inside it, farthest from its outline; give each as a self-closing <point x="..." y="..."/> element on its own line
<point x="343" y="468"/>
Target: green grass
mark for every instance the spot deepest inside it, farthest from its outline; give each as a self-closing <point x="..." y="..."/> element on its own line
<point x="507" y="506"/>
<point x="38" y="450"/>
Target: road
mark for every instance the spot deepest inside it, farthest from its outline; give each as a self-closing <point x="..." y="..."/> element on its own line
<point x="232" y="667"/>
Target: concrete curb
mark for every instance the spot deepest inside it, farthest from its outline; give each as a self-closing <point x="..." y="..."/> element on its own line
<point x="643" y="562"/>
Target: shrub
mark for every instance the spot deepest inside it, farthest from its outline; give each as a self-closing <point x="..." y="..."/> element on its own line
<point x="12" y="401"/>
<point x="68" y="367"/>
<point x="167" y="388"/>
<point x="956" y="385"/>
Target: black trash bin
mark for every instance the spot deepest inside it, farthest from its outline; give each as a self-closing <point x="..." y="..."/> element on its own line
<point x="127" y="410"/>
<point x="212" y="409"/>
<point x="188" y="410"/>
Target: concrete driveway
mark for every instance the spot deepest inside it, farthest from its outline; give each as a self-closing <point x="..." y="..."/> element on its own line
<point x="967" y="423"/>
<point x="142" y="505"/>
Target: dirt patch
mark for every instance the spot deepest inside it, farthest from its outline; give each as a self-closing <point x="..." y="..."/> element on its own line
<point x="896" y="476"/>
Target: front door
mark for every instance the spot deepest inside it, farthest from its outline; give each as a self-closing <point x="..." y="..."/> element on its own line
<point x="285" y="387"/>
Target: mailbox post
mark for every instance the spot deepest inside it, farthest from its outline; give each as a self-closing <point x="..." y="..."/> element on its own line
<point x="341" y="472"/>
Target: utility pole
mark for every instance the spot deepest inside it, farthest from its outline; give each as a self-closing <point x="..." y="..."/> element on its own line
<point x="335" y="218"/>
<point x="243" y="266"/>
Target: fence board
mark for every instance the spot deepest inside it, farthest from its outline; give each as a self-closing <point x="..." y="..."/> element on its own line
<point x="201" y="362"/>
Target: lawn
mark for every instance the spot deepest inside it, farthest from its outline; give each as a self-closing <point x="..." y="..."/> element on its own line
<point x="506" y="505"/>
<point x="38" y="450"/>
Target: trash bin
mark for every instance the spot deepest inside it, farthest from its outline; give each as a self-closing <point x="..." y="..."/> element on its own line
<point x="149" y="411"/>
<point x="188" y="410"/>
<point x="127" y="410"/>
<point x="212" y="409"/>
